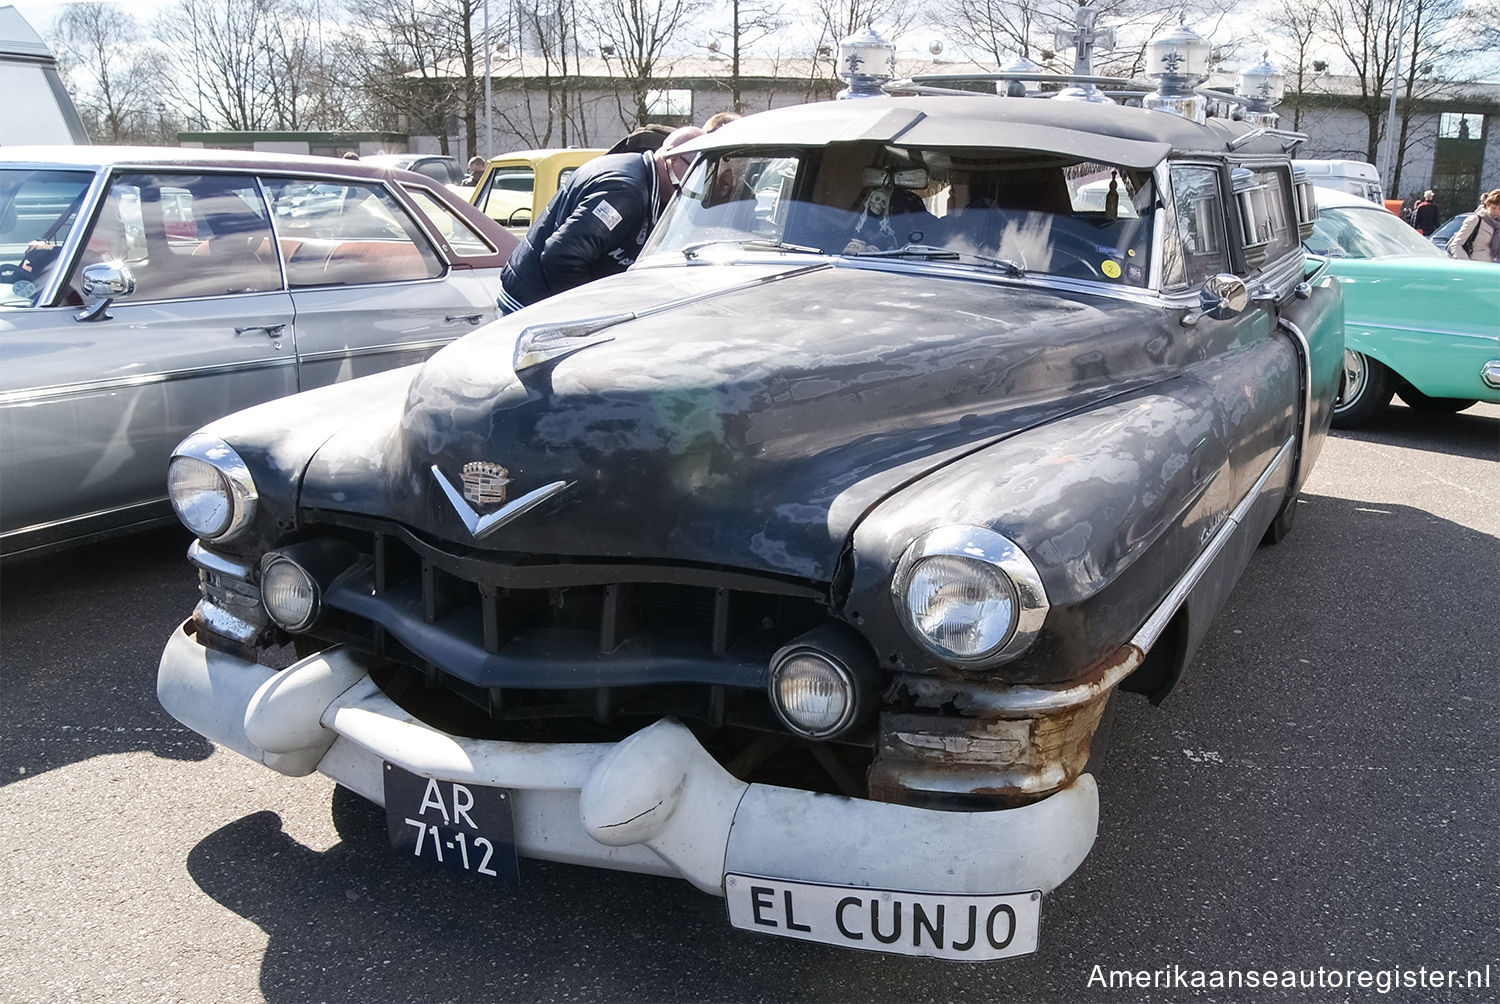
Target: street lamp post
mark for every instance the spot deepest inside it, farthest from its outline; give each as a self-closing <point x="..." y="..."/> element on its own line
<point x="1389" y="170"/>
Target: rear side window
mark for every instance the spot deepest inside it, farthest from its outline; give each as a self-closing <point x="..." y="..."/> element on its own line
<point x="461" y="237"/>
<point x="184" y="236"/>
<point x="1194" y="243"/>
<point x="347" y="233"/>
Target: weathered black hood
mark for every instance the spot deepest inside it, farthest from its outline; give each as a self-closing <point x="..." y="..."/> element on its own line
<point x="750" y="426"/>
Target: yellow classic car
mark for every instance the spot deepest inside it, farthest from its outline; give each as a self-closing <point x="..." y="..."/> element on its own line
<point x="517" y="186"/>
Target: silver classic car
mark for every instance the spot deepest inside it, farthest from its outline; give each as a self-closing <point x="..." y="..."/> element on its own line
<point x="145" y="292"/>
<point x="804" y="559"/>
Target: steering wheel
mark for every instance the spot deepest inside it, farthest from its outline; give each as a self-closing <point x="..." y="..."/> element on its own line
<point x="1083" y="252"/>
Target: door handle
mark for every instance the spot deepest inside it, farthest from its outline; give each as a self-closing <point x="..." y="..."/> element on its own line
<point x="269" y="330"/>
<point x="469" y="318"/>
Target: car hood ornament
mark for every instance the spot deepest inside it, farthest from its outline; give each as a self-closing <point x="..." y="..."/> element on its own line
<point x="485" y="484"/>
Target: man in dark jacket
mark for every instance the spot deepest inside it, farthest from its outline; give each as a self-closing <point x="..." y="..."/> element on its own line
<point x="1425" y="216"/>
<point x="596" y="223"/>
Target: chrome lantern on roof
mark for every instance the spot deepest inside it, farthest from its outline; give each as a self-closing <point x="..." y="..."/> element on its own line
<point x="1177" y="62"/>
<point x="1018" y="82"/>
<point x="867" y="63"/>
<point x="1260" y="87"/>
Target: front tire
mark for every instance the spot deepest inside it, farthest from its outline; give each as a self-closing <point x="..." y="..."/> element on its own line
<point x="1417" y="401"/>
<point x="1366" y="390"/>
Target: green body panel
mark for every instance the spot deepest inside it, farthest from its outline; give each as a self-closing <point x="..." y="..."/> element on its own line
<point x="1434" y="321"/>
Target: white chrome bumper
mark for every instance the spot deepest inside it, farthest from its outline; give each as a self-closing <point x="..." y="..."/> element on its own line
<point x="656" y="802"/>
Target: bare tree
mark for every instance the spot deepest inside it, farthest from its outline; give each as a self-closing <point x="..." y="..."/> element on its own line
<point x="548" y="31"/>
<point x="419" y="59"/>
<point x="1298" y="23"/>
<point x="639" y="34"/>
<point x="1367" y="34"/>
<point x="101" y="47"/>
<point x="749" y="22"/>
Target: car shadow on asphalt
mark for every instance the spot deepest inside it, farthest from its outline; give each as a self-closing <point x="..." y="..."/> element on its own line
<point x="81" y="633"/>
<point x="1474" y="433"/>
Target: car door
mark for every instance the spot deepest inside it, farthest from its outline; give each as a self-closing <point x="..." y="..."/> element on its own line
<point x="369" y="289"/>
<point x="91" y="409"/>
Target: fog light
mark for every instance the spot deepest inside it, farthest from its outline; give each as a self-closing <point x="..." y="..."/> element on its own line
<point x="812" y="694"/>
<point x="289" y="593"/>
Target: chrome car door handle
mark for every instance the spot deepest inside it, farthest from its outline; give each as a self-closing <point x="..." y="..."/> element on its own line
<point x="270" y="330"/>
<point x="469" y="318"/>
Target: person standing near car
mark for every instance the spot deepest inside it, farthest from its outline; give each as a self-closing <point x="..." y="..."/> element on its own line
<point x="472" y="175"/>
<point x="1425" y="216"/>
<point x="1479" y="237"/>
<point x="597" y="222"/>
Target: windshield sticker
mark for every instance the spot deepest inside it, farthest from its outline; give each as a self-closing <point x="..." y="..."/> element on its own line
<point x="1111" y="269"/>
<point x="608" y="214"/>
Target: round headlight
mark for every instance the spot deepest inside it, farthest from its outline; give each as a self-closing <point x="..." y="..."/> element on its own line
<point x="964" y="608"/>
<point x="289" y="593"/>
<point x="210" y="488"/>
<point x="969" y="595"/>
<point x="199" y="495"/>
<point x="812" y="694"/>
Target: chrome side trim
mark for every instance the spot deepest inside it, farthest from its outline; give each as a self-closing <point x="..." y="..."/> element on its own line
<point x="481" y="526"/>
<point x="1151" y="631"/>
<point x="1490" y="373"/>
<point x="1304" y="354"/>
<point x="32" y="395"/>
<point x="374" y="350"/>
<point x="147" y="506"/>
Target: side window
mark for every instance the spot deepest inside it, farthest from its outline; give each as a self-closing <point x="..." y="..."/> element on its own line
<point x="461" y="237"/>
<point x="437" y="170"/>
<point x="347" y="233"/>
<point x="184" y="236"/>
<point x="1194" y="244"/>
<point x="1263" y="197"/>
<point x="507" y="190"/>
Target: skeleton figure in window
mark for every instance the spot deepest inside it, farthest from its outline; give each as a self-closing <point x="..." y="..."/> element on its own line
<point x="891" y="218"/>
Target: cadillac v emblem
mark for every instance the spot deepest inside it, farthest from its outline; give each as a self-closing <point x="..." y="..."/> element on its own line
<point x="484" y="483"/>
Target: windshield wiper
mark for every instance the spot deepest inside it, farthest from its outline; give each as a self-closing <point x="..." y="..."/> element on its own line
<point x="690" y="251"/>
<point x="928" y="252"/>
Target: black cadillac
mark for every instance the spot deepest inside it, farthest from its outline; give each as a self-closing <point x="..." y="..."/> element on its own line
<point x="804" y="559"/>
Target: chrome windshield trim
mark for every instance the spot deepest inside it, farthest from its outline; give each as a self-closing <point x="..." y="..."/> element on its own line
<point x="93" y="198"/>
<point x="1151" y="631"/>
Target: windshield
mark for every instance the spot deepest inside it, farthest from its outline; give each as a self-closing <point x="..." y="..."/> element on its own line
<point x="1356" y="232"/>
<point x="38" y="209"/>
<point x="1028" y="212"/>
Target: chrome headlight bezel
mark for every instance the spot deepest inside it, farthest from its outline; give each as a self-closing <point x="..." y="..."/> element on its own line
<point x="1000" y="554"/>
<point x="238" y="487"/>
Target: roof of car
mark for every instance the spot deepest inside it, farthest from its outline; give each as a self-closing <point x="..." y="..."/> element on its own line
<point x="1114" y="134"/>
<point x="1333" y="198"/>
<point x="95" y="157"/>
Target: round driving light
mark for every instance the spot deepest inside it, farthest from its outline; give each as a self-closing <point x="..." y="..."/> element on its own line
<point x="963" y="608"/>
<point x="812" y="694"/>
<point x="289" y="593"/>
<point x="200" y="496"/>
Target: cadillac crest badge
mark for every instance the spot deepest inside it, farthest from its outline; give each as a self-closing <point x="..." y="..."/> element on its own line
<point x="485" y="483"/>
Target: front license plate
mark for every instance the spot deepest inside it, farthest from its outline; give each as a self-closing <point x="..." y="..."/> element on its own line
<point x="938" y="925"/>
<point x="464" y="827"/>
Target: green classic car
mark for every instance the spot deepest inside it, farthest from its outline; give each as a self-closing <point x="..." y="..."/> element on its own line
<point x="1419" y="324"/>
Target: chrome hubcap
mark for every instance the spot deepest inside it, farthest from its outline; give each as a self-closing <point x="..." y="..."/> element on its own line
<point x="1354" y="378"/>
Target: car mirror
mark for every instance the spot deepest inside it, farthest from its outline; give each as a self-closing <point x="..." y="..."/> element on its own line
<point x="108" y="279"/>
<point x="1224" y="295"/>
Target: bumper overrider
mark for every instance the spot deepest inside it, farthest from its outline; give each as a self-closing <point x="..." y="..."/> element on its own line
<point x="802" y="864"/>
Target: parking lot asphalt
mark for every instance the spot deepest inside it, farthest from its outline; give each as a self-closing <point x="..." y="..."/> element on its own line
<point x="1321" y="792"/>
